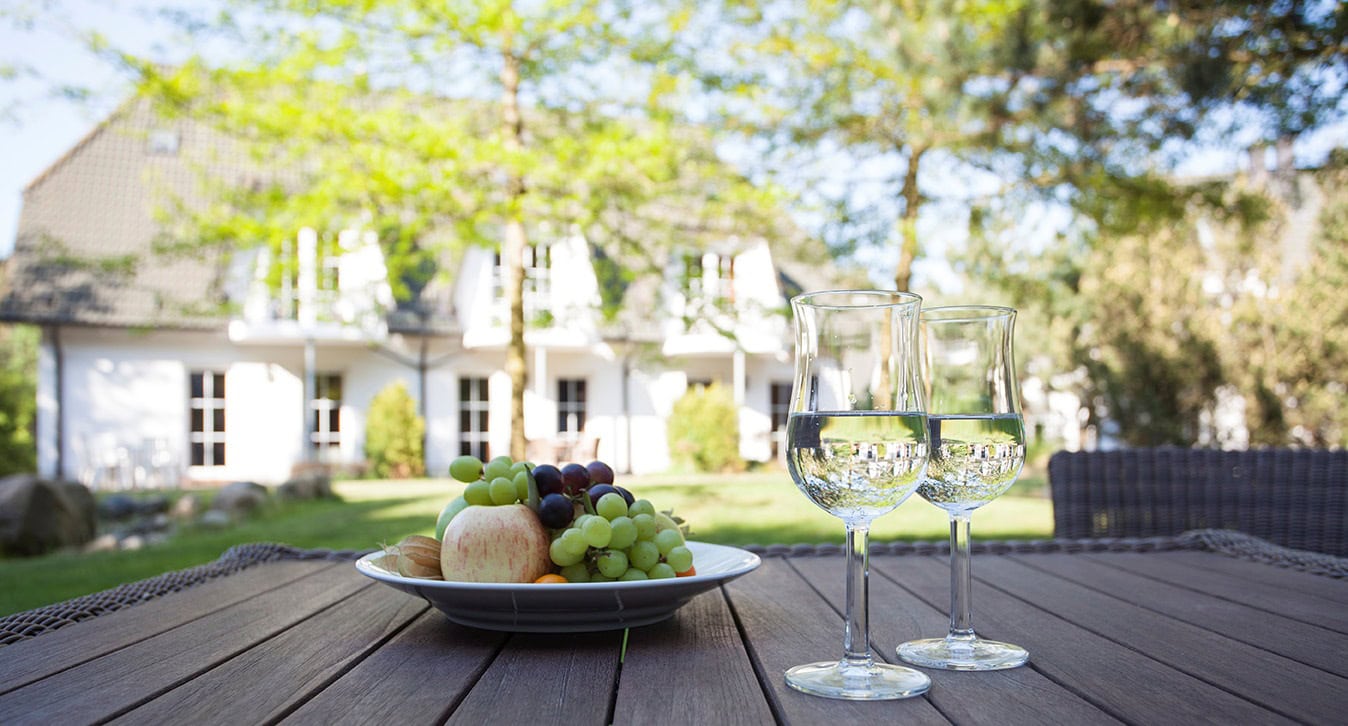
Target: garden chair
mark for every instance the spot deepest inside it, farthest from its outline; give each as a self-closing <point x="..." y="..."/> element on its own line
<point x="1290" y="497"/>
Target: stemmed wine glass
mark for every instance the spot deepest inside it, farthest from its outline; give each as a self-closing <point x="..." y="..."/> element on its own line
<point x="977" y="451"/>
<point x="856" y="446"/>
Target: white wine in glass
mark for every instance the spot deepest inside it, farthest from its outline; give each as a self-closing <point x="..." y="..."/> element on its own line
<point x="977" y="451"/>
<point x="856" y="441"/>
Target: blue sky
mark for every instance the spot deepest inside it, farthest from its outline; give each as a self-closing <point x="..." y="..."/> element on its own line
<point x="46" y="127"/>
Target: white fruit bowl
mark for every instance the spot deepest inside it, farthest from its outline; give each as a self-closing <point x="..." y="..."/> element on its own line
<point x="570" y="607"/>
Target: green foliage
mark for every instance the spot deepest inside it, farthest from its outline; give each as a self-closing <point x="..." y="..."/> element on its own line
<point x="1288" y="338"/>
<point x="393" y="435"/>
<point x="703" y="430"/>
<point x="18" y="399"/>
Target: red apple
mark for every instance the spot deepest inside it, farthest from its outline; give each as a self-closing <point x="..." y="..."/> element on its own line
<point x="495" y="544"/>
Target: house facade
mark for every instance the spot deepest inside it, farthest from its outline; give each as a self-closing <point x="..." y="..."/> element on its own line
<point x="143" y="380"/>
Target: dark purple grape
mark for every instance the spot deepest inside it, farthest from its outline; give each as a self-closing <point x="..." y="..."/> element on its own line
<point x="548" y="478"/>
<point x="626" y="495"/>
<point x="575" y="479"/>
<point x="598" y="490"/>
<point x="600" y="473"/>
<point x="555" y="511"/>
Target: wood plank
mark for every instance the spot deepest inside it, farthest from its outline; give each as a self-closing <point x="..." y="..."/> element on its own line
<point x="559" y="678"/>
<point x="1320" y="586"/>
<point x="1309" y="644"/>
<point x="415" y="677"/>
<point x="29" y="660"/>
<point x="1016" y="696"/>
<point x="1252" y="672"/>
<point x="109" y="685"/>
<point x="1119" y="680"/>
<point x="691" y="669"/>
<point x="786" y="623"/>
<point x="1246" y="589"/>
<point x="304" y="658"/>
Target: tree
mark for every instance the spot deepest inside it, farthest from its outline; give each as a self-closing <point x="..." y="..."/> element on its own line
<point x="444" y="125"/>
<point x="923" y="102"/>
<point x="18" y="399"/>
<point x="1287" y="344"/>
<point x="1165" y="291"/>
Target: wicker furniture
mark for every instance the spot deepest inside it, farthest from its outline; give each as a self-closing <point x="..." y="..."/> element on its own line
<point x="1293" y="498"/>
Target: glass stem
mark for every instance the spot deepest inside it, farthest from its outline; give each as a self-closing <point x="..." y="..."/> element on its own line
<point x="857" y="637"/>
<point x="961" y="579"/>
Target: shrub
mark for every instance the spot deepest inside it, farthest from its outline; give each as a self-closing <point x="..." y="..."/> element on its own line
<point x="704" y="431"/>
<point x="393" y="435"/>
<point x="18" y="398"/>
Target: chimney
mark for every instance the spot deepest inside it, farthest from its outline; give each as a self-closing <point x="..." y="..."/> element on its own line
<point x="1286" y="163"/>
<point x="1258" y="165"/>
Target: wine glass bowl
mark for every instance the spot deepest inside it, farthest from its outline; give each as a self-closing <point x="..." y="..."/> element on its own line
<point x="977" y="438"/>
<point x="856" y="447"/>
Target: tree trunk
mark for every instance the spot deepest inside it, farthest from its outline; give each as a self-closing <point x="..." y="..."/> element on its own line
<point x="512" y="251"/>
<point x="912" y="201"/>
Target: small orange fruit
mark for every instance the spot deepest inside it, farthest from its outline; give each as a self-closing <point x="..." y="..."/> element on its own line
<point x="688" y="572"/>
<point x="551" y="578"/>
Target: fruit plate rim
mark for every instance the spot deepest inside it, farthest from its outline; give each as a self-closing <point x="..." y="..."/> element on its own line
<point x="749" y="563"/>
<point x="569" y="607"/>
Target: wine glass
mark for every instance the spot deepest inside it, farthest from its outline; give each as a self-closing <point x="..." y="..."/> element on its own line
<point x="856" y="447"/>
<point x="977" y="451"/>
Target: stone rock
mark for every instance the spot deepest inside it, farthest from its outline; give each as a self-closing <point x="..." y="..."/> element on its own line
<point x="37" y="516"/>
<point x="311" y="484"/>
<point x="102" y="543"/>
<point x="215" y="519"/>
<point x="132" y="542"/>
<point x="117" y="507"/>
<point x="187" y="508"/>
<point x="157" y="504"/>
<point x="240" y="498"/>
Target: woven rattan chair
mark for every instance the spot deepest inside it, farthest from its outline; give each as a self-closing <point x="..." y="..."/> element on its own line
<point x="1293" y="498"/>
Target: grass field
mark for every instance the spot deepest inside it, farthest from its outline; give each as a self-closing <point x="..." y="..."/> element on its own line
<point x="756" y="508"/>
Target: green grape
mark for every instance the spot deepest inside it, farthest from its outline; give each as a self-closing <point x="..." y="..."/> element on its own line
<point x="500" y="466"/>
<point x="611" y="506"/>
<point x="624" y="533"/>
<point x="680" y="558"/>
<point x="661" y="571"/>
<point x="598" y="532"/>
<point x="600" y="577"/>
<point x="561" y="557"/>
<point x="579" y="572"/>
<point x="645" y="525"/>
<point x="641" y="506"/>
<point x="581" y="519"/>
<point x="611" y="563"/>
<point x="479" y="492"/>
<point x="520" y="466"/>
<point x="573" y="541"/>
<point x="503" y="491"/>
<point x="643" y="555"/>
<point x="668" y="539"/>
<point x="633" y="574"/>
<point x="466" y="469"/>
<point x="521" y="480"/>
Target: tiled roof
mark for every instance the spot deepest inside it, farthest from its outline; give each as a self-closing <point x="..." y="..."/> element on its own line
<point x="83" y="250"/>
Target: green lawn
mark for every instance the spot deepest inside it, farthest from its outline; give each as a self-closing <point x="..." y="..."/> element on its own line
<point x="757" y="508"/>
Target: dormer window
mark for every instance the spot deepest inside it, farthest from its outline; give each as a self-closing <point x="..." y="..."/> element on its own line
<point x="709" y="276"/>
<point x="537" y="278"/>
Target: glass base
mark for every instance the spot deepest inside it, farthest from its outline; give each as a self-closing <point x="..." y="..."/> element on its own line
<point x="876" y="682"/>
<point x="955" y="654"/>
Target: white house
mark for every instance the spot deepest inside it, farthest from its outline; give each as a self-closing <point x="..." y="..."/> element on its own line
<point x="142" y="378"/>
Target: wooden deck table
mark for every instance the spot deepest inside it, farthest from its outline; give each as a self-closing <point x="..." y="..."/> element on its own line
<point x="1179" y="637"/>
